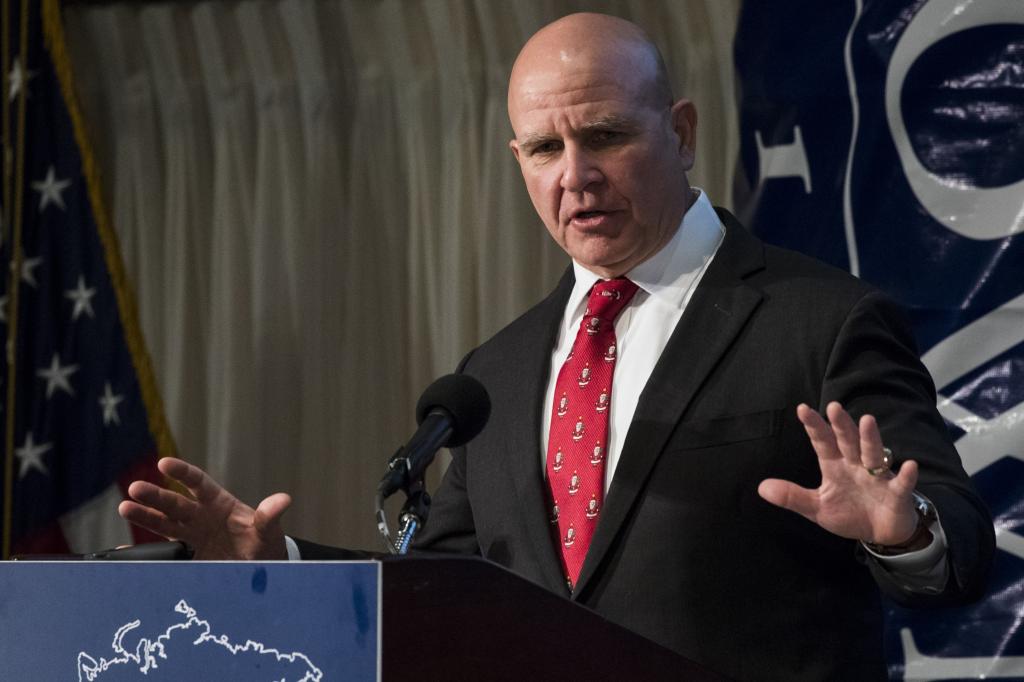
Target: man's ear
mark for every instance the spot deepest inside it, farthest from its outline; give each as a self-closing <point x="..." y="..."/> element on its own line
<point x="514" y="146"/>
<point x="684" y="123"/>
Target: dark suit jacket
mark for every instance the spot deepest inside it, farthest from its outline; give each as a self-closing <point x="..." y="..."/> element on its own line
<point x="686" y="552"/>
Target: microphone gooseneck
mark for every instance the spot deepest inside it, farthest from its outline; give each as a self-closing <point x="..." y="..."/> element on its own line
<point x="452" y="411"/>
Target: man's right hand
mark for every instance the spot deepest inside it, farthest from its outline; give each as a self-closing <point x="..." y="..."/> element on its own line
<point x="214" y="522"/>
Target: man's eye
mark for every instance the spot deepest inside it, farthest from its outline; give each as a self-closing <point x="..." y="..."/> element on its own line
<point x="605" y="137"/>
<point x="546" y="148"/>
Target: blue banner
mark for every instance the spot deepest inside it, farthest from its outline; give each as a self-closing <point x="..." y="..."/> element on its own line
<point x="887" y="137"/>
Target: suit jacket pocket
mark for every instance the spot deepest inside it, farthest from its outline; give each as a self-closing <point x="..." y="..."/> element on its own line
<point x="707" y="433"/>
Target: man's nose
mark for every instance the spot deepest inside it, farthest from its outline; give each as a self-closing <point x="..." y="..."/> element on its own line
<point x="580" y="170"/>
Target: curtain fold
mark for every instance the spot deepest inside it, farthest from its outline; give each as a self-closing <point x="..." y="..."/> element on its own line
<point x="230" y="390"/>
<point x="180" y="236"/>
<point x="320" y="214"/>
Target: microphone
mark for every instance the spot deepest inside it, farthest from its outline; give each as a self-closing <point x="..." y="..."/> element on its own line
<point x="149" y="551"/>
<point x="452" y="411"/>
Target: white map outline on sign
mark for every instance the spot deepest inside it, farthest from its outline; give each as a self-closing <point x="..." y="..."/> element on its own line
<point x="147" y="652"/>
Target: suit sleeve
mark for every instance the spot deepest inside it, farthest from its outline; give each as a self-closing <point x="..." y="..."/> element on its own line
<point x="874" y="369"/>
<point x="450" y="527"/>
<point x="313" y="551"/>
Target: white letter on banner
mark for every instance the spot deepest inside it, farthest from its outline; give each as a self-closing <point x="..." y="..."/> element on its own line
<point x="783" y="160"/>
<point x="922" y="667"/>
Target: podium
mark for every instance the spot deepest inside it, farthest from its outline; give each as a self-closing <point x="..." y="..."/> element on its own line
<point x="403" y="618"/>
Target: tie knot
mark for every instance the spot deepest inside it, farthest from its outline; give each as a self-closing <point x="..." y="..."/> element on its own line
<point x="609" y="297"/>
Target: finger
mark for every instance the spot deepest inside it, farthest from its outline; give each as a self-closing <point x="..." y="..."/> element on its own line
<point x="198" y="482"/>
<point x="269" y="512"/>
<point x="267" y="521"/>
<point x="169" y="503"/>
<point x="905" y="481"/>
<point x="172" y="467"/>
<point x="790" y="496"/>
<point x="872" y="452"/>
<point x="845" y="430"/>
<point x="819" y="432"/>
<point x="903" y="519"/>
<point x="150" y="519"/>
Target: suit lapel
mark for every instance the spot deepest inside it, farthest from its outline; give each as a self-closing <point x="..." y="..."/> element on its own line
<point x="719" y="309"/>
<point x="526" y="388"/>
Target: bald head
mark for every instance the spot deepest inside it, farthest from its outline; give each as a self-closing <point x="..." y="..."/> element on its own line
<point x="603" y="148"/>
<point x="598" y="43"/>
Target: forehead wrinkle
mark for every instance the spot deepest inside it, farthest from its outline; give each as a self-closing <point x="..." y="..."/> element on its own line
<point x="578" y="90"/>
<point x="594" y="84"/>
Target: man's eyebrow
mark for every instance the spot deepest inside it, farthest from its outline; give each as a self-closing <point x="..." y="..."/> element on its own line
<point x="610" y="122"/>
<point x="532" y="140"/>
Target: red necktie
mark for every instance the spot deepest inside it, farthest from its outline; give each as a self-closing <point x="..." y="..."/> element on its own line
<point x="579" y="424"/>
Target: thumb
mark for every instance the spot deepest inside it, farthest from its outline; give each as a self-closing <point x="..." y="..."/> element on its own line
<point x="789" y="496"/>
<point x="267" y="518"/>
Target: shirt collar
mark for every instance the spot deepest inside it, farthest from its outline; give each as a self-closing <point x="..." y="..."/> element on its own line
<point x="670" y="274"/>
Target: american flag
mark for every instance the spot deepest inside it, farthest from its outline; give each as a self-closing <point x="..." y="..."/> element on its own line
<point x="81" y="413"/>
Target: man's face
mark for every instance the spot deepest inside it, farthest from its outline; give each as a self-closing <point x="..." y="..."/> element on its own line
<point x="604" y="165"/>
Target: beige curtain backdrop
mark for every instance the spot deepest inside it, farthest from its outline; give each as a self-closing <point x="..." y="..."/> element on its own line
<point x="319" y="213"/>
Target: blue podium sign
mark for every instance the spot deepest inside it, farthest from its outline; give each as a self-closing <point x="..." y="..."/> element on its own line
<point x="106" y="621"/>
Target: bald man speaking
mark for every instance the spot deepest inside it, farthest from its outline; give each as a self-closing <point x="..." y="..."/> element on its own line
<point x="724" y="446"/>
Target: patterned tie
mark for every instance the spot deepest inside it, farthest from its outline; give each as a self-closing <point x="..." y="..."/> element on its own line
<point x="579" y="424"/>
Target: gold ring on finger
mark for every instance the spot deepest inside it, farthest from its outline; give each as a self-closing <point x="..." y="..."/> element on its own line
<point x="886" y="464"/>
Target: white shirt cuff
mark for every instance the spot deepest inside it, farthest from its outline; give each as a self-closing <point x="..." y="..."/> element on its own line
<point x="923" y="570"/>
<point x="293" y="549"/>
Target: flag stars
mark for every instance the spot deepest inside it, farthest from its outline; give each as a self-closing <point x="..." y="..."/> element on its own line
<point x="109" y="402"/>
<point x="31" y="457"/>
<point x="57" y="377"/>
<point x="82" y="298"/>
<point x="50" y="189"/>
<point x="28" y="270"/>
<point x="18" y="79"/>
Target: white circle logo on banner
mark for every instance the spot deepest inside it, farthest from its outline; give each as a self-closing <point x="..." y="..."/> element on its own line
<point x="975" y="212"/>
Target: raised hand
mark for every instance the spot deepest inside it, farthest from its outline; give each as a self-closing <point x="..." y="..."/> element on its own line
<point x="850" y="502"/>
<point x="214" y="522"/>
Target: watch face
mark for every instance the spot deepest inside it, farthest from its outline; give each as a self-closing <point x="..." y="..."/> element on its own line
<point x="924" y="508"/>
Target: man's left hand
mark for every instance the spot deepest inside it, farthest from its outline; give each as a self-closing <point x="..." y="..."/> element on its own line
<point x="850" y="502"/>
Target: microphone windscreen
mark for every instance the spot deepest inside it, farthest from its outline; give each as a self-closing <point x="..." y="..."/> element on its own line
<point x="461" y="396"/>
